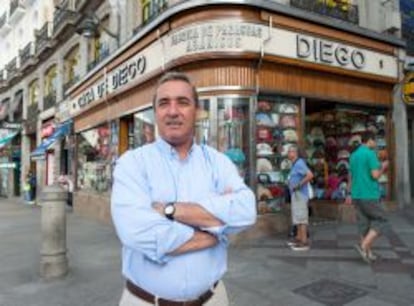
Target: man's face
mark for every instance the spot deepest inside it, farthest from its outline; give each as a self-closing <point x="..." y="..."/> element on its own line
<point x="371" y="143"/>
<point x="175" y="111"/>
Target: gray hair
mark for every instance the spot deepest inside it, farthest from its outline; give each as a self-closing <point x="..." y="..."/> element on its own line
<point x="175" y="76"/>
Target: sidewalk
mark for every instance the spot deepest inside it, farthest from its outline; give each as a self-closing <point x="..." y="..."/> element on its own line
<point x="261" y="272"/>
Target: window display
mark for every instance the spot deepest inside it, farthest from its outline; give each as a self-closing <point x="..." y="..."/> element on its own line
<point x="233" y="131"/>
<point x="142" y="129"/>
<point x="202" y="129"/>
<point x="94" y="159"/>
<point x="277" y="128"/>
<point x="332" y="135"/>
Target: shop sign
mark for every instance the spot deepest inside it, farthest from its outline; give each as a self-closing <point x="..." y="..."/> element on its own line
<point x="7" y="165"/>
<point x="326" y="52"/>
<point x="11" y="125"/>
<point x="235" y="37"/>
<point x="47" y="130"/>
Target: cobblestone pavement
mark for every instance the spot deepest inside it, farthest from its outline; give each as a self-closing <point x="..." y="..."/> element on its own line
<point x="262" y="272"/>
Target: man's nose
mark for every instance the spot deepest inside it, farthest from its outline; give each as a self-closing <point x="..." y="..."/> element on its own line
<point x="173" y="108"/>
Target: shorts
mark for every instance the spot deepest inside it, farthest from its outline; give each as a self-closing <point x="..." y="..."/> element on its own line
<point x="299" y="208"/>
<point x="371" y="215"/>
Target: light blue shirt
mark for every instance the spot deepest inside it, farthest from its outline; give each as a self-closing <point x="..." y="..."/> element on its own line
<point x="296" y="175"/>
<point x="154" y="173"/>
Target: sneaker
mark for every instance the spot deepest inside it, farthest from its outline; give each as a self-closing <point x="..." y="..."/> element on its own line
<point x="292" y="242"/>
<point x="372" y="256"/>
<point x="300" y="247"/>
<point x="362" y="253"/>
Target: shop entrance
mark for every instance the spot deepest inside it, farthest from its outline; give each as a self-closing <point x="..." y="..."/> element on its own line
<point x="332" y="131"/>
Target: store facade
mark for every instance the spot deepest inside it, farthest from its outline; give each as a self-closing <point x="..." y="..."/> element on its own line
<point x="265" y="81"/>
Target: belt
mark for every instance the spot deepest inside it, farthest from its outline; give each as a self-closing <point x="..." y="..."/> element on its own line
<point x="150" y="298"/>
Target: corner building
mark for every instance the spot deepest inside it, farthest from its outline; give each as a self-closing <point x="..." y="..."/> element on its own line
<point x="268" y="76"/>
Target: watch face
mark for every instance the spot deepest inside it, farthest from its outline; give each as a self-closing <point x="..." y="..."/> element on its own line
<point x="169" y="210"/>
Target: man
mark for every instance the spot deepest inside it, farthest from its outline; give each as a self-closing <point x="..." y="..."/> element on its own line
<point x="173" y="204"/>
<point x="299" y="178"/>
<point x="365" y="170"/>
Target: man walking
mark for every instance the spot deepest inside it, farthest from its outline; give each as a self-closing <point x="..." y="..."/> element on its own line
<point x="365" y="169"/>
<point x="173" y="205"/>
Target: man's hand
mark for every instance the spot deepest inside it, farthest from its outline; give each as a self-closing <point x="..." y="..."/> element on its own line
<point x="159" y="207"/>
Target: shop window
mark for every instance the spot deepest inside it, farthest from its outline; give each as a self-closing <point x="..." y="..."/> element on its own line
<point x="203" y="126"/>
<point x="332" y="133"/>
<point x="141" y="130"/>
<point x="95" y="159"/>
<point x="233" y="131"/>
<point x="277" y="128"/>
<point x="71" y="68"/>
<point x="34" y="92"/>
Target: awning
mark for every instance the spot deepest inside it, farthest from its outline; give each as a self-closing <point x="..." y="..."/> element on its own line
<point x="60" y="132"/>
<point x="5" y="138"/>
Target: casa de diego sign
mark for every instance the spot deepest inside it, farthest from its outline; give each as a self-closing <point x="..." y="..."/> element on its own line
<point x="234" y="37"/>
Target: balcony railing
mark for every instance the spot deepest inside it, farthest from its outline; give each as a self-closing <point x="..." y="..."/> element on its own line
<point x="17" y="10"/>
<point x="43" y="38"/>
<point x="69" y="83"/>
<point x="63" y="17"/>
<point x="26" y="56"/>
<point x="339" y="9"/>
<point x="151" y="11"/>
<point x="100" y="58"/>
<point x="49" y="101"/>
<point x="11" y="68"/>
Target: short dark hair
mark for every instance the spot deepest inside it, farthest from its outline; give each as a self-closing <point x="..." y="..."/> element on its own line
<point x="366" y="136"/>
<point x="175" y="76"/>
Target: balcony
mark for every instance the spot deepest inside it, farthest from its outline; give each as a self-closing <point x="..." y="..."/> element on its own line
<point x="26" y="55"/>
<point x="44" y="41"/>
<point x="12" y="69"/>
<point x="70" y="83"/>
<point x="64" y="21"/>
<point x="339" y="9"/>
<point x="49" y="101"/>
<point x="5" y="27"/>
<point x="151" y="10"/>
<point x="17" y="10"/>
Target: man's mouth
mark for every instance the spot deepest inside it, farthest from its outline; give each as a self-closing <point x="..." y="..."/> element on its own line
<point x="173" y="124"/>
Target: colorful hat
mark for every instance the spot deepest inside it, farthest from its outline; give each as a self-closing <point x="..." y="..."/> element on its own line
<point x="263" y="165"/>
<point x="288" y="108"/>
<point x="264" y="106"/>
<point x="236" y="155"/>
<point x="288" y="121"/>
<point x="277" y="191"/>
<point x="358" y="127"/>
<point x="343" y="154"/>
<point x="263" y="149"/>
<point x="264" y="134"/>
<point x="264" y="119"/>
<point x="290" y="135"/>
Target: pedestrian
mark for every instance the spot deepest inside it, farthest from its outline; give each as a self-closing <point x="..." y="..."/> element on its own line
<point x="173" y="205"/>
<point x="29" y="188"/>
<point x="365" y="170"/>
<point x="299" y="177"/>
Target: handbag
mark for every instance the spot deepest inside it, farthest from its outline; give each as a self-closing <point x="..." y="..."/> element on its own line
<point x="311" y="192"/>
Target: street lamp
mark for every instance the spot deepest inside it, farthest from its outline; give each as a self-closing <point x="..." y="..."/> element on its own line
<point x="90" y="25"/>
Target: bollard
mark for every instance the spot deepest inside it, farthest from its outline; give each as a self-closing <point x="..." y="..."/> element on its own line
<point x="54" y="263"/>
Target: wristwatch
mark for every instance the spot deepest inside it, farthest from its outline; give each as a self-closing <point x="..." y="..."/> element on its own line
<point x="169" y="210"/>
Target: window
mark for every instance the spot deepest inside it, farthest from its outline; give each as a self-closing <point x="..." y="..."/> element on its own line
<point x="34" y="92"/>
<point x="50" y="81"/>
<point x="152" y="8"/>
<point x="71" y="67"/>
<point x="142" y="130"/>
<point x="99" y="46"/>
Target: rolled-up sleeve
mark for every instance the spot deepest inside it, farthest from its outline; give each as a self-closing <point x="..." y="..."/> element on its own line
<point x="137" y="224"/>
<point x="236" y="206"/>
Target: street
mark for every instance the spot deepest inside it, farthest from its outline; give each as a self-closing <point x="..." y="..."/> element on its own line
<point x="261" y="272"/>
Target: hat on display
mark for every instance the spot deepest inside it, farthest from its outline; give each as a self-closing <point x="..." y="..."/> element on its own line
<point x="290" y="135"/>
<point x="277" y="191"/>
<point x="331" y="142"/>
<point x="263" y="193"/>
<point x="285" y="149"/>
<point x="358" y="127"/>
<point x="263" y="178"/>
<point x="264" y="119"/>
<point x="342" y="164"/>
<point x="288" y="121"/>
<point x="263" y="149"/>
<point x="275" y="177"/>
<point x="355" y="140"/>
<point x="381" y="142"/>
<point x="286" y="164"/>
<point x="275" y="119"/>
<point x="381" y="120"/>
<point x="288" y="108"/>
<point x="263" y="165"/>
<point x="236" y="155"/>
<point x="328" y="117"/>
<point x="343" y="154"/>
<point x="372" y="127"/>
<point x="264" y="134"/>
<point x="264" y="106"/>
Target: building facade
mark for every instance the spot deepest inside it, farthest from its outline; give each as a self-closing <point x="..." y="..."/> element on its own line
<point x="269" y="73"/>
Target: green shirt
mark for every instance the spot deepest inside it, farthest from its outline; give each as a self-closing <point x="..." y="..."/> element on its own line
<point x="362" y="161"/>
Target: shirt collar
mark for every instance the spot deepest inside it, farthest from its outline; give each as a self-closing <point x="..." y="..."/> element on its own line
<point x="166" y="148"/>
